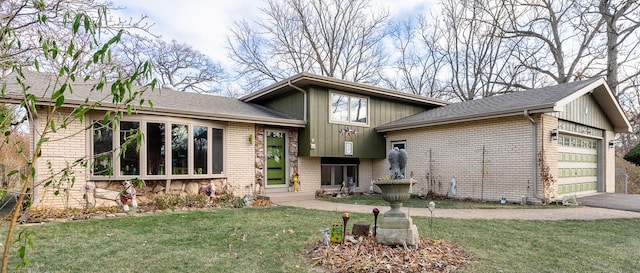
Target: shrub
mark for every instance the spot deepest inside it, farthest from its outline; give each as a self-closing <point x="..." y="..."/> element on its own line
<point x="196" y="200"/>
<point x="169" y="200"/>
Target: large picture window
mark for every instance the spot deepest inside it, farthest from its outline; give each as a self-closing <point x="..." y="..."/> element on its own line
<point x="156" y="148"/>
<point x="168" y="149"/>
<point x="130" y="156"/>
<point x="217" y="154"/>
<point x="102" y="148"/>
<point x="179" y="149"/>
<point x="349" y="109"/>
<point x="200" y="149"/>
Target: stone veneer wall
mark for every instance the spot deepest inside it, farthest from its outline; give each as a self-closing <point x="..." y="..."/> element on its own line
<point x="292" y="149"/>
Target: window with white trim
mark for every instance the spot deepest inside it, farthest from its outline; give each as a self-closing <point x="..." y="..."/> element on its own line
<point x="348" y="109"/>
<point x="400" y="144"/>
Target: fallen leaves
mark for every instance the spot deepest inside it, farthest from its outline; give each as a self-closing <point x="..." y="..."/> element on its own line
<point x="371" y="256"/>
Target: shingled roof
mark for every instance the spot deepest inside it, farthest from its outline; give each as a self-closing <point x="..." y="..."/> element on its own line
<point x="166" y="102"/>
<point x="542" y="100"/>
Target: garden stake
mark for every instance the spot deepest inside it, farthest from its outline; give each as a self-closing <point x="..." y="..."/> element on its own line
<point x="432" y="207"/>
<point x="345" y="219"/>
<point x="375" y="220"/>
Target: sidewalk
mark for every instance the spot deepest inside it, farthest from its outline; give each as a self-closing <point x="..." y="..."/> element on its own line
<point x="579" y="213"/>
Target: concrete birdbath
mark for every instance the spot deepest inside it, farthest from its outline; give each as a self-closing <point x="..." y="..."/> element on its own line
<point x="396" y="227"/>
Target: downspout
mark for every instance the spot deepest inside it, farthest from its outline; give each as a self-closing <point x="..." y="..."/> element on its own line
<point x="305" y="97"/>
<point x="534" y="144"/>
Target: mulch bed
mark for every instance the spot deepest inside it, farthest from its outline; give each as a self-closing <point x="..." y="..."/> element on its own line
<point x="371" y="256"/>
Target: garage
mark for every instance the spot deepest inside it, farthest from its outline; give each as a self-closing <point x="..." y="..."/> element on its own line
<point x="577" y="164"/>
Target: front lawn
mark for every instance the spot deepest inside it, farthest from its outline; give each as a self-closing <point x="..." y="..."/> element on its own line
<point x="274" y="240"/>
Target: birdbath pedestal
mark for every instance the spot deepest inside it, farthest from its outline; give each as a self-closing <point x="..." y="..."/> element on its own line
<point x="396" y="227"/>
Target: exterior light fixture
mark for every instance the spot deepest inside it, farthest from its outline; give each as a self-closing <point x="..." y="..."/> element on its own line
<point x="554" y="134"/>
<point x="612" y="144"/>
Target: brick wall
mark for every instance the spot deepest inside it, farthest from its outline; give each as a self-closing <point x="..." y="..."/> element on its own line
<point x="609" y="163"/>
<point x="62" y="149"/>
<point x="309" y="173"/>
<point x="490" y="158"/>
<point x="241" y="157"/>
<point x="548" y="149"/>
<point x="70" y="144"/>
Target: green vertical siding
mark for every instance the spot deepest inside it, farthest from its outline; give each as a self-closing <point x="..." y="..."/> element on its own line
<point x="291" y="104"/>
<point x="585" y="110"/>
<point x="330" y="143"/>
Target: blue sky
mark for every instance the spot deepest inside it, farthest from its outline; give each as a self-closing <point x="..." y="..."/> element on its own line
<point x="205" y="24"/>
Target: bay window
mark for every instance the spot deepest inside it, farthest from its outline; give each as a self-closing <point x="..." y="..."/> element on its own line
<point x="168" y="149"/>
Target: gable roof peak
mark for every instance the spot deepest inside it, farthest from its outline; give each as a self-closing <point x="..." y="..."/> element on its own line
<point x="539" y="100"/>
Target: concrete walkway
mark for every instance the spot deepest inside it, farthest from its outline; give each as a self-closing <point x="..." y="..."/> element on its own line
<point x="578" y="213"/>
<point x="617" y="201"/>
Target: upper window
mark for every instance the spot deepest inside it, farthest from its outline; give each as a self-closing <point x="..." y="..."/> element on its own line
<point x="167" y="149"/>
<point x="349" y="109"/>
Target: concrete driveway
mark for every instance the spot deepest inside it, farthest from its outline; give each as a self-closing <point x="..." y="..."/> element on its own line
<point x="617" y="201"/>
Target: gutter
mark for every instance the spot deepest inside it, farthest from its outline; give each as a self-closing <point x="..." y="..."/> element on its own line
<point x="304" y="92"/>
<point x="443" y="121"/>
<point x="534" y="142"/>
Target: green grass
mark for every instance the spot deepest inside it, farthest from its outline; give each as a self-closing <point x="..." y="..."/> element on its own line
<point x="414" y="202"/>
<point x="252" y="240"/>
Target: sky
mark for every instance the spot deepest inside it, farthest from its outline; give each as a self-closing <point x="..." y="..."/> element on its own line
<point x="204" y="24"/>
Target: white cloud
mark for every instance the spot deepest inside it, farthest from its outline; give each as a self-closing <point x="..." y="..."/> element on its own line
<point x="205" y="24"/>
<point x="201" y="24"/>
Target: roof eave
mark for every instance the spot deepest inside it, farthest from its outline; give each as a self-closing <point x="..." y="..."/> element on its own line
<point x="188" y="114"/>
<point x="342" y="84"/>
<point x="509" y="113"/>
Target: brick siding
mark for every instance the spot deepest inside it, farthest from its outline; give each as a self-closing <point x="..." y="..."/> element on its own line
<point x="439" y="153"/>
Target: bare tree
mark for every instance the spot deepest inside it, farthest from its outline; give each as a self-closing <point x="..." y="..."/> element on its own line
<point x="418" y="59"/>
<point x="336" y="38"/>
<point x="24" y="25"/>
<point x="479" y="61"/>
<point x="43" y="36"/>
<point x="622" y="20"/>
<point x="185" y="68"/>
<point x="174" y="64"/>
<point x="557" y="40"/>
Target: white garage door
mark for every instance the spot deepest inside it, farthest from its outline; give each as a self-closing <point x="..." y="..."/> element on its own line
<point x="577" y="164"/>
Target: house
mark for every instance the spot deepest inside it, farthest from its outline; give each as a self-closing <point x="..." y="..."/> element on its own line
<point x="540" y="144"/>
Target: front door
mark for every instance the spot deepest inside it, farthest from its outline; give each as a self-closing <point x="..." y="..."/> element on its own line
<point x="276" y="159"/>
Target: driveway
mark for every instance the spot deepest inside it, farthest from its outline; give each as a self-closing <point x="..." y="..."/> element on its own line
<point x="617" y="201"/>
